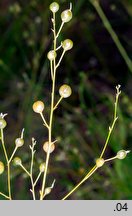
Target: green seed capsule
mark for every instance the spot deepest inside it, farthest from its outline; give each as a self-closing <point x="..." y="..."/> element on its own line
<point x="66" y="16"/>
<point x="42" y="167"/>
<point x="38" y="106"/>
<point x="17" y="161"/>
<point x="54" y="7"/>
<point x="65" y="91"/>
<point x="19" y="142"/>
<point x="51" y="55"/>
<point x="121" y="154"/>
<point x="2" y="123"/>
<point x="47" y="190"/>
<point x="67" y="44"/>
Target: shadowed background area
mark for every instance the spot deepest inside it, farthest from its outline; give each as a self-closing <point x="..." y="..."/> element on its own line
<point x="92" y="68"/>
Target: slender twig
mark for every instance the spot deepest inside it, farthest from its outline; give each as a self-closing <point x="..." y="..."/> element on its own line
<point x="31" y="168"/>
<point x="112" y="33"/>
<point x="8" y="164"/>
<point x="114" y="121"/>
<point x="38" y="177"/>
<point x="59" y="47"/>
<point x="105" y="146"/>
<point x="2" y="194"/>
<point x="57" y="35"/>
<point x="51" y="69"/>
<point x="13" y="154"/>
<point x="26" y="171"/>
<point x="110" y="159"/>
<point x="55" y="107"/>
<point x="51" y="113"/>
<point x="63" y="53"/>
<point x="43" y="118"/>
<point x="81" y="182"/>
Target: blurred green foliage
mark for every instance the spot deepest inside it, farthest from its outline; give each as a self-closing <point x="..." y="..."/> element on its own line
<point x="93" y="68"/>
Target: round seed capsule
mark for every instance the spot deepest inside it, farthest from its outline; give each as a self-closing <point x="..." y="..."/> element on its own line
<point x="17" y="161"/>
<point x="1" y="167"/>
<point x="121" y="154"/>
<point x="47" y="190"/>
<point x="19" y="142"/>
<point x="2" y="123"/>
<point x="42" y="167"/>
<point x="67" y="44"/>
<point x="66" y="16"/>
<point x="54" y="7"/>
<point x="65" y="91"/>
<point x="51" y="55"/>
<point x="46" y="146"/>
<point x="38" y="107"/>
<point x="100" y="162"/>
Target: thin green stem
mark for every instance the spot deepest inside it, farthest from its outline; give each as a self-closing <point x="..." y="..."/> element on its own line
<point x="113" y="123"/>
<point x="3" y="145"/>
<point x="38" y="177"/>
<point x="112" y="33"/>
<point x="58" y="64"/>
<point x="81" y="182"/>
<point x="51" y="114"/>
<point x="43" y="118"/>
<point x="13" y="154"/>
<point x="2" y="194"/>
<point x="51" y="69"/>
<point x="57" y="35"/>
<point x="8" y="164"/>
<point x="55" y="107"/>
<point x="31" y="169"/>
<point x="26" y="171"/>
<point x="110" y="159"/>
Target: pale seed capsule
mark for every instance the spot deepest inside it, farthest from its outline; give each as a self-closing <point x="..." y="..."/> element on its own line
<point x="38" y="107"/>
<point x="121" y="154"/>
<point x="47" y="190"/>
<point x="67" y="44"/>
<point x="51" y="55"/>
<point x="54" y="7"/>
<point x="66" y="16"/>
<point x="2" y="123"/>
<point x="19" y="142"/>
<point x="42" y="167"/>
<point x="46" y="146"/>
<point x="65" y="91"/>
<point x="1" y="167"/>
<point x="99" y="162"/>
<point x="17" y="161"/>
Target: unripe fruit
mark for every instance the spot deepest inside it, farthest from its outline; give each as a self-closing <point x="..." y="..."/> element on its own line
<point x="51" y="55"/>
<point x="2" y="123"/>
<point x="1" y="167"/>
<point x="100" y="162"/>
<point x="65" y="91"/>
<point x="19" y="142"/>
<point x="54" y="7"/>
<point x="67" y="44"/>
<point x="17" y="161"/>
<point x="47" y="190"/>
<point x="42" y="167"/>
<point x="121" y="154"/>
<point x="66" y="16"/>
<point x="38" y="107"/>
<point x="46" y="146"/>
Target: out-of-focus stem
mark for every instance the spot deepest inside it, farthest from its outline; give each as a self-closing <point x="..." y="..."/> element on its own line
<point x="112" y="33"/>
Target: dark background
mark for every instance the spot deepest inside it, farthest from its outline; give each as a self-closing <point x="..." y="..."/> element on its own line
<point x="92" y="68"/>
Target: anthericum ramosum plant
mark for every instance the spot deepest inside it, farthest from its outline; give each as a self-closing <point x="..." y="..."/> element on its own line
<point x="48" y="146"/>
